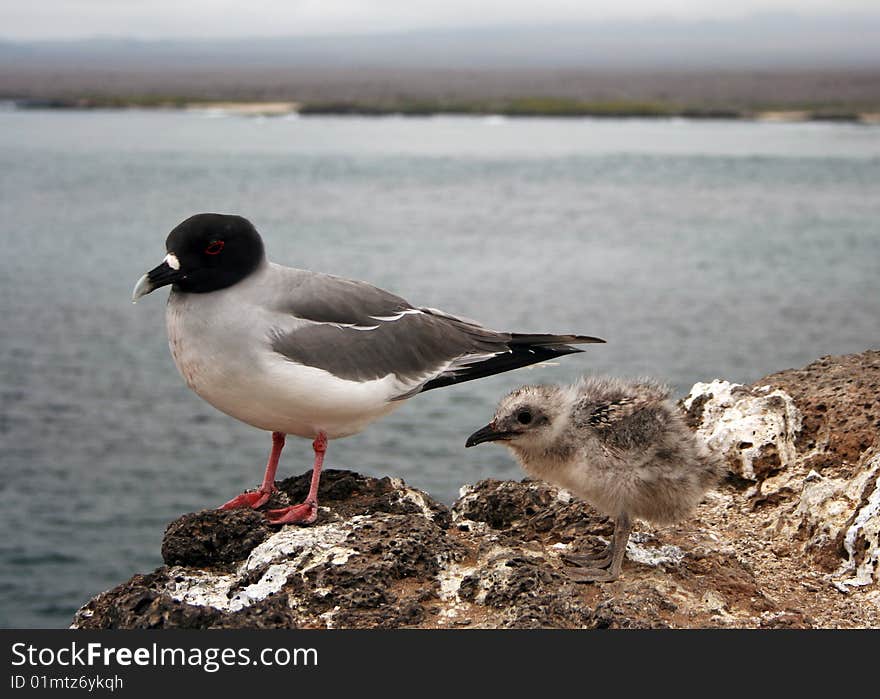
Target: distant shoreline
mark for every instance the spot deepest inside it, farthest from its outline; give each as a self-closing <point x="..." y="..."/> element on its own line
<point x="518" y="107"/>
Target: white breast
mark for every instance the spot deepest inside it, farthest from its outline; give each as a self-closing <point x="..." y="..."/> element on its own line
<point x="226" y="358"/>
<point x="593" y="480"/>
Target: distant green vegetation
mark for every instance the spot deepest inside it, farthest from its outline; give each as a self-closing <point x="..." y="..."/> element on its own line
<point x="560" y="106"/>
<point x="512" y="107"/>
<point x="109" y="102"/>
<point x="521" y="106"/>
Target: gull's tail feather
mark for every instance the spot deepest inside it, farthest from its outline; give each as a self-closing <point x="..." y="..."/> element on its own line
<point x="522" y="350"/>
<point x="550" y="340"/>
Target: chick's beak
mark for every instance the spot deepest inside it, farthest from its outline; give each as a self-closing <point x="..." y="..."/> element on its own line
<point x="486" y="434"/>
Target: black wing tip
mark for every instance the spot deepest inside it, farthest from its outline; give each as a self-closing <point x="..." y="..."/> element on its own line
<point x="520" y="355"/>
<point x="548" y="340"/>
<point x="587" y="339"/>
<point x="559" y="350"/>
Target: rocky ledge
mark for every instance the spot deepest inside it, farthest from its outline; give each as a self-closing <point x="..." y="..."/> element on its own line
<point x="789" y="540"/>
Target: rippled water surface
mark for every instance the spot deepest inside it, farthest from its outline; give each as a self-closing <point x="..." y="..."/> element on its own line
<point x="697" y="249"/>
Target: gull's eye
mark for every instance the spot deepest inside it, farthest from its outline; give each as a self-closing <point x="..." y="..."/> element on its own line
<point x="214" y="247"/>
<point x="523" y="417"/>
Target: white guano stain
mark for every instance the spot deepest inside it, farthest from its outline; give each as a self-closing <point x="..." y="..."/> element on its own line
<point x="742" y="422"/>
<point x="450" y="578"/>
<point x="654" y="556"/>
<point x="293" y="550"/>
<point x="865" y="528"/>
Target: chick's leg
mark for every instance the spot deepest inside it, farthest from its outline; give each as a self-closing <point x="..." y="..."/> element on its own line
<point x="598" y="559"/>
<point x="622" y="529"/>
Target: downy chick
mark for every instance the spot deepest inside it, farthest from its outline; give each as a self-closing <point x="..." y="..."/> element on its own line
<point x="620" y="445"/>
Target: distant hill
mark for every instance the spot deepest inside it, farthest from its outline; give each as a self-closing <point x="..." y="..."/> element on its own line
<point x="769" y="58"/>
<point x="763" y="41"/>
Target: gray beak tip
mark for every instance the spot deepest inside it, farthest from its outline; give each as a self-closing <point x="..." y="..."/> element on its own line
<point x="143" y="287"/>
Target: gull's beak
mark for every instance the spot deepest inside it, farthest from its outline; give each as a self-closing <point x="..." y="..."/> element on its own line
<point x="486" y="434"/>
<point x="166" y="273"/>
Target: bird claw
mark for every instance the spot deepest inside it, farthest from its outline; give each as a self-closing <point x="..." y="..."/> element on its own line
<point x="304" y="513"/>
<point x="584" y="575"/>
<point x="252" y="499"/>
<point x="602" y="559"/>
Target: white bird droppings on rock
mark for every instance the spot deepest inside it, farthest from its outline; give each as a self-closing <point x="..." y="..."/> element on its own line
<point x="201" y="588"/>
<point x="328" y="617"/>
<point x="563" y="496"/>
<point x="270" y="583"/>
<point x="450" y="578"/>
<point x="746" y="424"/>
<point x="654" y="556"/>
<point x="822" y="510"/>
<point x="300" y="543"/>
<point x="466" y="493"/>
<point x="418" y="500"/>
<point x="862" y="539"/>
<point x="300" y="549"/>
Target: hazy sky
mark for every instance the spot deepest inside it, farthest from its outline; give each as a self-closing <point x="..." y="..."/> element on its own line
<point x="228" y="18"/>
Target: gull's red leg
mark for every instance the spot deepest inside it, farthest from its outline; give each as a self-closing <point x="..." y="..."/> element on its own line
<point x="259" y="497"/>
<point x="307" y="512"/>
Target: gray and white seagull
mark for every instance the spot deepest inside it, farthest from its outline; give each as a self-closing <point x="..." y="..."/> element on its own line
<point x="314" y="355"/>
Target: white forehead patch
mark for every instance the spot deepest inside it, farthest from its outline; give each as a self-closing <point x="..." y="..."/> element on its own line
<point x="172" y="261"/>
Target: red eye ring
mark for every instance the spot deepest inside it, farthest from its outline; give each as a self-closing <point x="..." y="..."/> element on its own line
<point x="214" y="247"/>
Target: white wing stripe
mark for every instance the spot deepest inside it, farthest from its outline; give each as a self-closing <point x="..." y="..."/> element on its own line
<point x="349" y="326"/>
<point x="398" y="316"/>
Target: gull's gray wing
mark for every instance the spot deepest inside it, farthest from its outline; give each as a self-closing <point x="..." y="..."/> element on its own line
<point x="325" y="298"/>
<point x="359" y="332"/>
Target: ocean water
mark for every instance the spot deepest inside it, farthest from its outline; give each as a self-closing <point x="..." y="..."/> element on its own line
<point x="697" y="249"/>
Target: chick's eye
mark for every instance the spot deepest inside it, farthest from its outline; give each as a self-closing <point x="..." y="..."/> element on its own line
<point x="523" y="417"/>
<point x="214" y="247"/>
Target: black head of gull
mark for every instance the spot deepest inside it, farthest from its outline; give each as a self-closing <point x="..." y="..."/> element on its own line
<point x="206" y="252"/>
<point x="293" y="351"/>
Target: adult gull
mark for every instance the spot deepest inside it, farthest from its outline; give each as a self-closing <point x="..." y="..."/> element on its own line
<point x="297" y="352"/>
